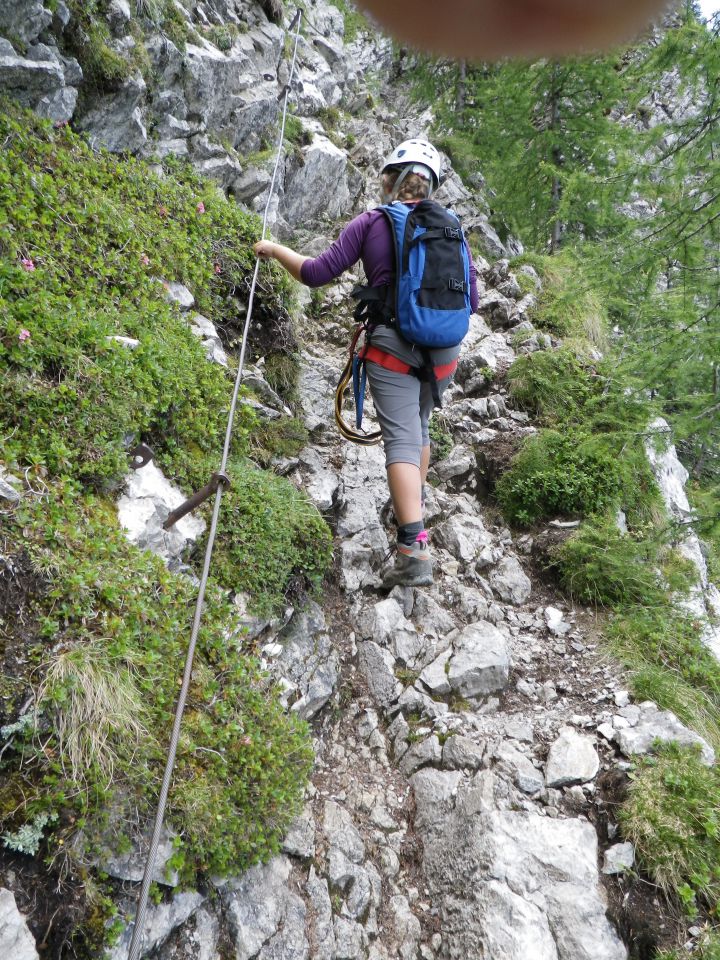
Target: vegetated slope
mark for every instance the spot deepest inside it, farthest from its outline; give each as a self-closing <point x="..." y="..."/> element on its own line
<point x="93" y="631"/>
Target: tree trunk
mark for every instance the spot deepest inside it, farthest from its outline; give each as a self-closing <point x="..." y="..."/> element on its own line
<point x="555" y="194"/>
<point x="461" y="90"/>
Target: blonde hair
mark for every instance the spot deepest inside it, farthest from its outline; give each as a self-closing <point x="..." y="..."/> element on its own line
<point x="413" y="187"/>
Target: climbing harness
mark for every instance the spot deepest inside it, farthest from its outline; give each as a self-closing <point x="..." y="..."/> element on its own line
<point x="215" y="486"/>
<point x="354" y="370"/>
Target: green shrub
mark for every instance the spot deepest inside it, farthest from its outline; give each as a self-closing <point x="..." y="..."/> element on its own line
<point x="554" y="385"/>
<point x="600" y="565"/>
<point x="569" y="304"/>
<point x="441" y="438"/>
<point x="268" y="532"/>
<point x="707" y="948"/>
<point x="672" y="817"/>
<point x="572" y="473"/>
<point x="111" y="610"/>
<point x="88" y="37"/>
<point x="295" y="132"/>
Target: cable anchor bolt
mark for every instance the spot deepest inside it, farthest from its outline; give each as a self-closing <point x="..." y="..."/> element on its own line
<point x="196" y="499"/>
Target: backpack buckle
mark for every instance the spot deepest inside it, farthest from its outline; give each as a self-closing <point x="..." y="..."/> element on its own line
<point x="456" y="285"/>
<point x="453" y="233"/>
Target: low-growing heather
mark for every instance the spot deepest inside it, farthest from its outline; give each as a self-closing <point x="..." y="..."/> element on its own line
<point x="86" y="251"/>
<point x="88" y="244"/>
<point x="112" y="629"/>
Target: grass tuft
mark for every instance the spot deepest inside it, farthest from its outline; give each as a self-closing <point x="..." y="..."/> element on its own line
<point x="672" y="817"/>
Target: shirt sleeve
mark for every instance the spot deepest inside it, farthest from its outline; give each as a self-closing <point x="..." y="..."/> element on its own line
<point x="339" y="257"/>
<point x="474" y="298"/>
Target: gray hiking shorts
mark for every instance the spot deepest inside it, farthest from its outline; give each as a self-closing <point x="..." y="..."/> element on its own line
<point x="403" y="405"/>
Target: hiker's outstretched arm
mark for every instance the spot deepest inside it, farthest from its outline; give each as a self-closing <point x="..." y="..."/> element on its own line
<point x="268" y="250"/>
<point x="491" y="29"/>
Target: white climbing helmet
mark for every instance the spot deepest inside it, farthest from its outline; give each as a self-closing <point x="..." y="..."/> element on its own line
<point x="416" y="152"/>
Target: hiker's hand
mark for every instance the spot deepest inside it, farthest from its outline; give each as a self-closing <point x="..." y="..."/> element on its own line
<point x="490" y="29"/>
<point x="265" y="249"/>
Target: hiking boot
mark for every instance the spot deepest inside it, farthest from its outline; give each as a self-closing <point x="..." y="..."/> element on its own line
<point x="412" y="567"/>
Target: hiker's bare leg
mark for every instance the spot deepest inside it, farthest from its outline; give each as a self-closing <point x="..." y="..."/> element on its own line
<point x="424" y="463"/>
<point x="404" y="482"/>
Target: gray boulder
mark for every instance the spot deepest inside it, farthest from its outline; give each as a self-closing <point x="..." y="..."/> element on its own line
<point x="24" y="19"/>
<point x="308" y="663"/>
<point x="16" y="941"/>
<point x="464" y="536"/>
<point x="160" y="921"/>
<point x="517" y="885"/>
<point x="115" y="120"/>
<point x="510" y="582"/>
<point x="480" y="663"/>
<point x="572" y="759"/>
<point x="265" y="919"/>
<point x="29" y="81"/>
<point x="662" y="725"/>
<point x="321" y="185"/>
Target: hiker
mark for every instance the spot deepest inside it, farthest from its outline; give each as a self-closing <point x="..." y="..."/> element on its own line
<point x="403" y="402"/>
<point x="493" y="29"/>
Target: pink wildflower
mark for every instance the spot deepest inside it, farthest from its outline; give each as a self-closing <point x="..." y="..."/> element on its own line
<point x="218" y="268"/>
<point x="24" y="335"/>
<point x="163" y="210"/>
<point x="145" y="260"/>
<point x="27" y="264"/>
<point x="245" y="741"/>
<point x="200" y="207"/>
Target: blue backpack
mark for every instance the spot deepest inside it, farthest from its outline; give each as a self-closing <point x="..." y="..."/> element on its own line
<point x="429" y="303"/>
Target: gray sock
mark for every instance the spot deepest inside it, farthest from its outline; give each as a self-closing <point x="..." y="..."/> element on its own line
<point x="408" y="532"/>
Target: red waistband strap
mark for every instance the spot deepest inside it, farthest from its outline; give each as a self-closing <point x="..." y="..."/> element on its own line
<point x="390" y="362"/>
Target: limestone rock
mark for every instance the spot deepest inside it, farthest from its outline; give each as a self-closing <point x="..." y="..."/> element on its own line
<point x="459" y="463"/>
<point x="572" y="759"/>
<point x="510" y="581"/>
<point x="426" y="753"/>
<point x="619" y="858"/>
<point x="24" y="19"/>
<point x="10" y="486"/>
<point x="435" y="792"/>
<point x="299" y="841"/>
<point x="324" y="933"/>
<point x="462" y="753"/>
<point x="115" y="120"/>
<point x="663" y="725"/>
<point x="265" y="918"/>
<point x="160" y="921"/>
<point x="378" y="666"/>
<point x="309" y="662"/>
<point x="179" y="294"/>
<point x="341" y="832"/>
<point x="520" y="768"/>
<point x="464" y="536"/>
<point x="142" y="509"/>
<point x="16" y="941"/>
<point x="518" y="885"/>
<point x="29" y="81"/>
<point x="322" y="187"/>
<point x="434" y="676"/>
<point x="480" y="663"/>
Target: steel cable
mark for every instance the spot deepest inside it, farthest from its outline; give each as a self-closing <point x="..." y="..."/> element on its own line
<point x="135" y="943"/>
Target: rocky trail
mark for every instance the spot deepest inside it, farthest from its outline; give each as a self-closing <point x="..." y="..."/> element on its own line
<point x="469" y="737"/>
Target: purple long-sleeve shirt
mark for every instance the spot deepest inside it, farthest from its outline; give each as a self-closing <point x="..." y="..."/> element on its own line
<point x="368" y="238"/>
